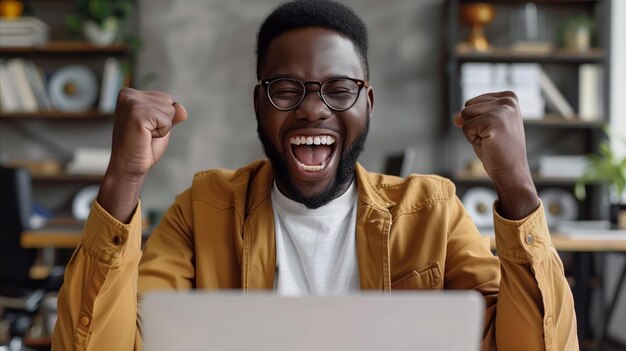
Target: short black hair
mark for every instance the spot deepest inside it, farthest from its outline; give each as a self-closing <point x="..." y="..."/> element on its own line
<point x="312" y="13"/>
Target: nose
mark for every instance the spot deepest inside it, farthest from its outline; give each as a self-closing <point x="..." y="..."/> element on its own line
<point x="313" y="108"/>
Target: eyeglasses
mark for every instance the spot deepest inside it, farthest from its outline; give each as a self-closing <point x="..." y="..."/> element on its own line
<point x="339" y="94"/>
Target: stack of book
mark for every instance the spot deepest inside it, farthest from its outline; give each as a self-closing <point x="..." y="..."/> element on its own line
<point x="521" y="78"/>
<point x="22" y="87"/>
<point x="562" y="166"/>
<point x="23" y="32"/>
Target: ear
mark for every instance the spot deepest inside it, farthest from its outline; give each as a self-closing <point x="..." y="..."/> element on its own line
<point x="370" y="100"/>
<point x="256" y="98"/>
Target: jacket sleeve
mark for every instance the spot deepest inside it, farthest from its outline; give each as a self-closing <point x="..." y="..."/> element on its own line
<point x="529" y="305"/>
<point x="535" y="308"/>
<point x="97" y="305"/>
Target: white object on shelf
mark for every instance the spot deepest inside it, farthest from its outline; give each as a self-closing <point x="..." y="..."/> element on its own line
<point x="559" y="205"/>
<point x="23" y="32"/>
<point x="521" y="78"/>
<point x="81" y="205"/>
<point x="590" y="91"/>
<point x="478" y="202"/>
<point x="562" y="166"/>
<point x="73" y="88"/>
<point x="111" y="84"/>
<point x="89" y="161"/>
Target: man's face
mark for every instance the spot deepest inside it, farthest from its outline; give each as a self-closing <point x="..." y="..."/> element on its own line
<point x="313" y="174"/>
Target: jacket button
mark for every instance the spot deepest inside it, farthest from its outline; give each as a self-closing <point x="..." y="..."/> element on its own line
<point x="84" y="321"/>
<point x="117" y="240"/>
<point x="530" y="239"/>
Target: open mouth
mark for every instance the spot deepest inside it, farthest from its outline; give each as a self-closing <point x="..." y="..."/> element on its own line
<point x="312" y="152"/>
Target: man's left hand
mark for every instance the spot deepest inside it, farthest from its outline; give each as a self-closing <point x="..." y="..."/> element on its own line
<point x="493" y="124"/>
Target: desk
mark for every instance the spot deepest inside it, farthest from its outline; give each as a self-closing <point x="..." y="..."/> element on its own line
<point x="69" y="238"/>
<point x="571" y="243"/>
<point x="60" y="238"/>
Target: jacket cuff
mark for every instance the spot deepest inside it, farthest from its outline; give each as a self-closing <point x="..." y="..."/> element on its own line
<point x="523" y="240"/>
<point x="110" y="240"/>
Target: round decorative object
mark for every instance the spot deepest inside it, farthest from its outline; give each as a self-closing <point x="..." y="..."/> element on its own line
<point x="478" y="202"/>
<point x="559" y="205"/>
<point x="73" y="88"/>
<point x="81" y="205"/>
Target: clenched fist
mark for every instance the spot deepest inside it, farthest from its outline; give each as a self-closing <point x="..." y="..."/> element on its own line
<point x="142" y="128"/>
<point x="493" y="124"/>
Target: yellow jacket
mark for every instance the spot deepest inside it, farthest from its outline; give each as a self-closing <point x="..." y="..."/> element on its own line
<point x="411" y="233"/>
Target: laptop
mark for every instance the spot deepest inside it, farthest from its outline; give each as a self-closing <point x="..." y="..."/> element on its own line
<point x="264" y="321"/>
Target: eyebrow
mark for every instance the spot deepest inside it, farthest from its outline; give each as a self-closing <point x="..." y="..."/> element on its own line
<point x="298" y="78"/>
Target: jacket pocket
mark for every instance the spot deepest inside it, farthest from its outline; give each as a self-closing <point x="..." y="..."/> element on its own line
<point x="425" y="278"/>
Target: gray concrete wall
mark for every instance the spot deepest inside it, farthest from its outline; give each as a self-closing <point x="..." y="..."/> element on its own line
<point x="203" y="54"/>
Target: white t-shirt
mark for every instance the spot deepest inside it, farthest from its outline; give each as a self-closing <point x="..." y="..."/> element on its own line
<point x="315" y="249"/>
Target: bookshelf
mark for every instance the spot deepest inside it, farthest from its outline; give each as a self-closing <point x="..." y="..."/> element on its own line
<point x="551" y="133"/>
<point x="66" y="47"/>
<point x="51" y="134"/>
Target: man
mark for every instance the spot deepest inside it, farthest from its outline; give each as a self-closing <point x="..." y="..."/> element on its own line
<point x="311" y="220"/>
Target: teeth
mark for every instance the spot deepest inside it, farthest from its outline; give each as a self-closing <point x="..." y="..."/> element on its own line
<point x="312" y="168"/>
<point x="317" y="140"/>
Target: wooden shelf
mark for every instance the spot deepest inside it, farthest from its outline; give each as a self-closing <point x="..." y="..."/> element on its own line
<point x="66" y="48"/>
<point x="64" y="177"/>
<point x="508" y="55"/>
<point x="558" y="121"/>
<point x="91" y="114"/>
<point x="465" y="177"/>
<point x="556" y="2"/>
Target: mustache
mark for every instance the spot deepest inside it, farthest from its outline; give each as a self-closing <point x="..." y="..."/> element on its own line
<point x="310" y="125"/>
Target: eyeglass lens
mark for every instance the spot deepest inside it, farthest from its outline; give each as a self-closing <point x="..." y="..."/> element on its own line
<point x="338" y="94"/>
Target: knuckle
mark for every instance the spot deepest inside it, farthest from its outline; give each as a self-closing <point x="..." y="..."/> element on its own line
<point x="171" y="110"/>
<point x="510" y="100"/>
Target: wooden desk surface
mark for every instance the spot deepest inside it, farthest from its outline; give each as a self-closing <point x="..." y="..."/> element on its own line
<point x="62" y="238"/>
<point x="66" y="237"/>
<point x="582" y="244"/>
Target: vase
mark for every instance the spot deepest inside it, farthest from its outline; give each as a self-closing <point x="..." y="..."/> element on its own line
<point x="101" y="35"/>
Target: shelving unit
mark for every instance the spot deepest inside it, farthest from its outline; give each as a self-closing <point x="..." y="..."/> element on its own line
<point x="58" y="133"/>
<point x="551" y="135"/>
<point x="551" y="130"/>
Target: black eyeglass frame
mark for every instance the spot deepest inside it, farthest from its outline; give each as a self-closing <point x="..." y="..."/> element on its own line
<point x="265" y="83"/>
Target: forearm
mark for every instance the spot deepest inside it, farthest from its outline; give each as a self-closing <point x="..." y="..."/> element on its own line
<point x="517" y="198"/>
<point x="119" y="195"/>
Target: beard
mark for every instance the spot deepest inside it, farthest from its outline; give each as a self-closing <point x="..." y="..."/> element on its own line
<point x="344" y="176"/>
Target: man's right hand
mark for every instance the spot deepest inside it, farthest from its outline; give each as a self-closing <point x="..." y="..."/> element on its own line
<point x="143" y="124"/>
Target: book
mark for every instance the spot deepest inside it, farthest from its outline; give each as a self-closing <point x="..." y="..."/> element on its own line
<point x="554" y="97"/>
<point x="23" y="32"/>
<point x="111" y="85"/>
<point x="8" y="99"/>
<point x="24" y="90"/>
<point x="590" y="91"/>
<point x="36" y="80"/>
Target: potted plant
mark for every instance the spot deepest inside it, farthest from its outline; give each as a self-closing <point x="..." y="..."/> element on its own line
<point x="577" y="32"/>
<point x="608" y="168"/>
<point x="102" y="22"/>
